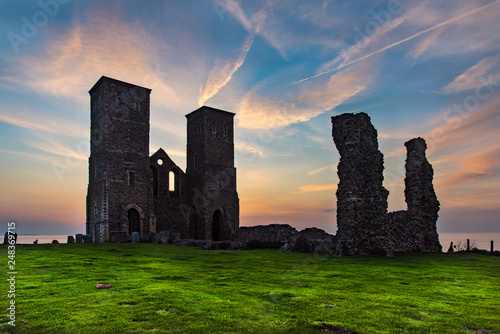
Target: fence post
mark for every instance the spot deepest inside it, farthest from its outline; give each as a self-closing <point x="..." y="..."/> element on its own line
<point x="450" y="250"/>
<point x="491" y="246"/>
<point x="468" y="244"/>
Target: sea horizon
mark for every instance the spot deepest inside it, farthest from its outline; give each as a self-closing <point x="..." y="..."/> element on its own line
<point x="479" y="240"/>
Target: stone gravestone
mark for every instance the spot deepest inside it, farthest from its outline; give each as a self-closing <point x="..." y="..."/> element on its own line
<point x="164" y="237"/>
<point x="79" y="238"/>
<point x="135" y="237"/>
<point x="71" y="239"/>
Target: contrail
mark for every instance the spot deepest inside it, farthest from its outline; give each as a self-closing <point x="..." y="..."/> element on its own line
<point x="403" y="40"/>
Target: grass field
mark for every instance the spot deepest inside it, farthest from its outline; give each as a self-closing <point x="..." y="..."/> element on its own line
<point x="172" y="289"/>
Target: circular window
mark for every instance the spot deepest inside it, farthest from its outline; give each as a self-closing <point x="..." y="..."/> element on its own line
<point x="159" y="162"/>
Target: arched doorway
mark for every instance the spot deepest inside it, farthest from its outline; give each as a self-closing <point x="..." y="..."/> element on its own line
<point x="216" y="225"/>
<point x="134" y="221"/>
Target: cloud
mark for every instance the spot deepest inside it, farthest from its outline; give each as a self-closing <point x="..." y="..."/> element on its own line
<point x="223" y="70"/>
<point x="103" y="45"/>
<point x="465" y="154"/>
<point x="53" y="147"/>
<point x="235" y="9"/>
<point x="222" y="73"/>
<point x="250" y="148"/>
<point x="31" y="121"/>
<point x="470" y="79"/>
<point x="265" y="112"/>
<point x="316" y="171"/>
<point x="331" y="68"/>
<point x="347" y="54"/>
<point x="426" y="43"/>
<point x="317" y="187"/>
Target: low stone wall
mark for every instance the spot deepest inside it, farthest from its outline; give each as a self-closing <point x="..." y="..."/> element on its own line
<point x="266" y="233"/>
<point x="312" y="240"/>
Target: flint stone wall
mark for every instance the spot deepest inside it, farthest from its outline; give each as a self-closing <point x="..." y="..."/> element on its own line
<point x="311" y="239"/>
<point x="364" y="226"/>
<point x="361" y="197"/>
<point x="266" y="233"/>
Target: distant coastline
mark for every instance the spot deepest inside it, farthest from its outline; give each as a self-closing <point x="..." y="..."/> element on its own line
<point x="479" y="240"/>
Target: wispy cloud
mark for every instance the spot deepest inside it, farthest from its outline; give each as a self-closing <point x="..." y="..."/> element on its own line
<point x="53" y="147"/>
<point x="223" y="70"/>
<point x="222" y="73"/>
<point x="250" y="148"/>
<point x="488" y="69"/>
<point x="317" y="187"/>
<point x="46" y="124"/>
<point x="347" y="54"/>
<point x="404" y="40"/>
<point x="103" y="45"/>
<point x="264" y="112"/>
<point x="316" y="171"/>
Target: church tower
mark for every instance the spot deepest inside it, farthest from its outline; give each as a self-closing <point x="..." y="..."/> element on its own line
<point x="211" y="175"/>
<point x="118" y="197"/>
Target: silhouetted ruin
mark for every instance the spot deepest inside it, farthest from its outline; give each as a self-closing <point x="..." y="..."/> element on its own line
<point x="363" y="224"/>
<point x="131" y="193"/>
<point x="135" y="197"/>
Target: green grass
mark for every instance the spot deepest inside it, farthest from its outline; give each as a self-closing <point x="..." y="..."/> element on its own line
<point x="172" y="289"/>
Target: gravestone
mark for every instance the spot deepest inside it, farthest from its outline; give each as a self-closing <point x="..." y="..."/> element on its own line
<point x="79" y="238"/>
<point x="164" y="237"/>
<point x="71" y="239"/>
<point x="135" y="237"/>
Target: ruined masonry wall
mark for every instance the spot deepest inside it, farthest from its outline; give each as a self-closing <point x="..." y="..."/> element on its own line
<point x="364" y="226"/>
<point x="361" y="198"/>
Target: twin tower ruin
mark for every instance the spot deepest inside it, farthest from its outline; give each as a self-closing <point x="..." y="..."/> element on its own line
<point x="131" y="193"/>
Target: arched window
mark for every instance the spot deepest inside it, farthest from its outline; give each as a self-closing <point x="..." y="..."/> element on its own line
<point x="131" y="178"/>
<point x="171" y="181"/>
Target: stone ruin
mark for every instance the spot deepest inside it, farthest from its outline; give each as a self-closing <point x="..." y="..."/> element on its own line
<point x="363" y="224"/>
<point x="133" y="196"/>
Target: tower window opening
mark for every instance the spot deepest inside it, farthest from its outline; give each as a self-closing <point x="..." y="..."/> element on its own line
<point x="224" y="132"/>
<point x="171" y="181"/>
<point x="118" y="101"/>
<point x="136" y="106"/>
<point x="131" y="178"/>
<point x="214" y="128"/>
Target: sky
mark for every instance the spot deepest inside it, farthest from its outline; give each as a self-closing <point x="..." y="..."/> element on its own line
<point x="426" y="69"/>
